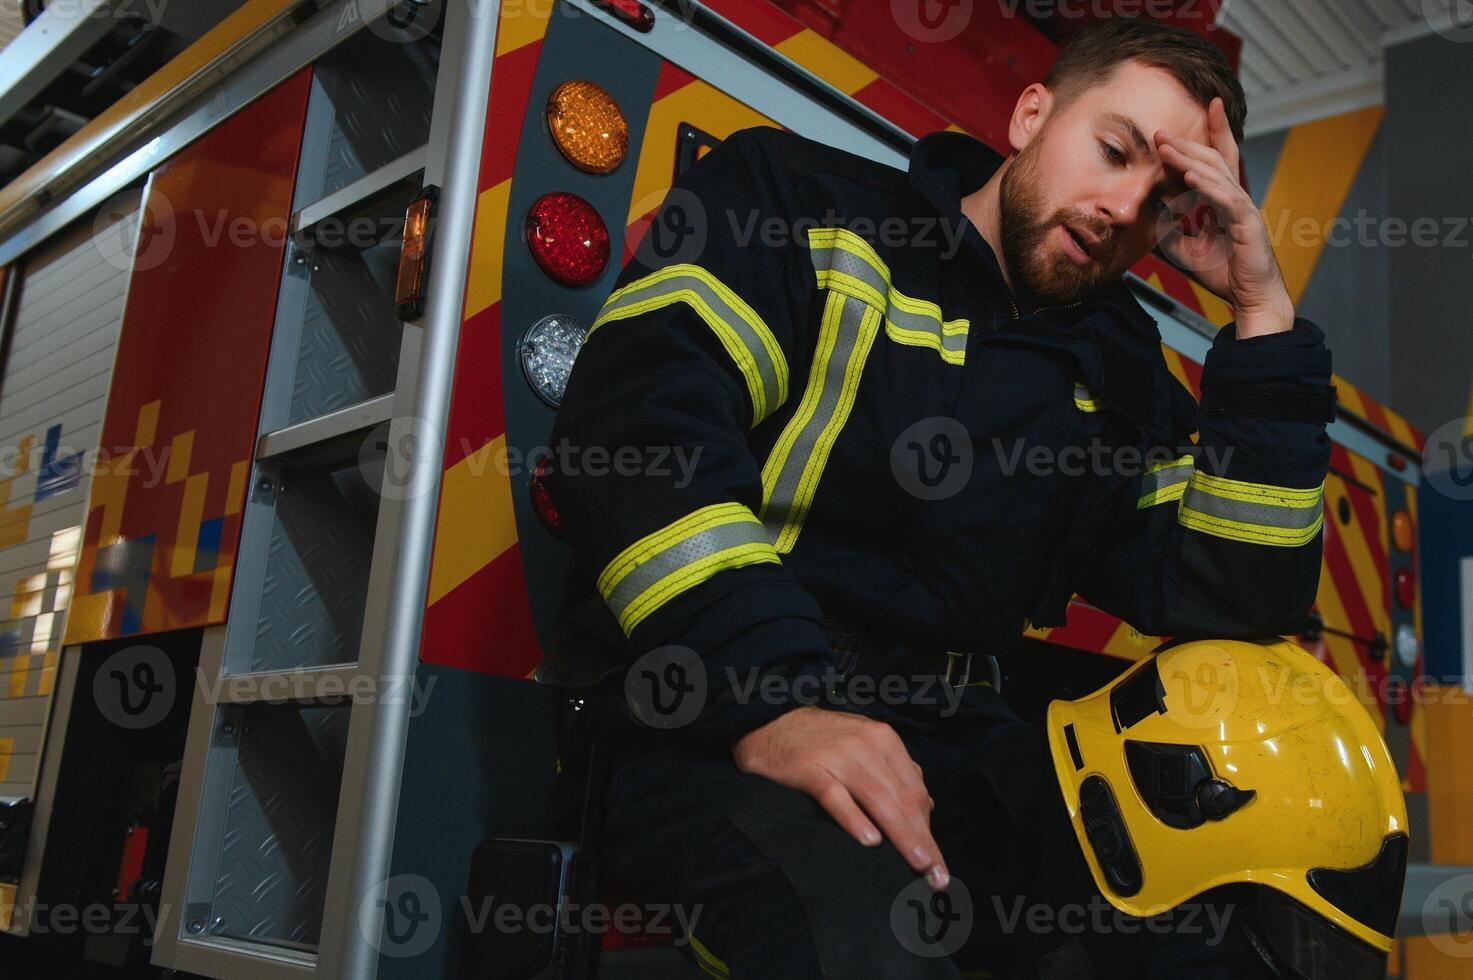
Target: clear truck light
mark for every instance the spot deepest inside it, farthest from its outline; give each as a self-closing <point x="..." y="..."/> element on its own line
<point x="1407" y="646"/>
<point x="548" y="349"/>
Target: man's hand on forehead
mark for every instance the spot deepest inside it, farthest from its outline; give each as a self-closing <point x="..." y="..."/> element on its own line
<point x="1228" y="250"/>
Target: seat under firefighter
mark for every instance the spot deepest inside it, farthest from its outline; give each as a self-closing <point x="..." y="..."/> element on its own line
<point x="587" y="664"/>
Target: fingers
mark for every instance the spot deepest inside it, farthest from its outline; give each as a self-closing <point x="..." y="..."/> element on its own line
<point x="839" y="804"/>
<point x="1187" y="154"/>
<point x="1221" y="133"/>
<point x="915" y="800"/>
<point x="901" y="820"/>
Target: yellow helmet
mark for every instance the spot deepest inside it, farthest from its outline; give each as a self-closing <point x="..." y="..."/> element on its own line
<point x="1217" y="763"/>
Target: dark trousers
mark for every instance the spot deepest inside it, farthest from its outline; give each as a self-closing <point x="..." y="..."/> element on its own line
<point x="778" y="890"/>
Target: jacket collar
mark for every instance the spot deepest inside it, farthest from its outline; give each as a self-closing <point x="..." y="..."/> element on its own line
<point x="946" y="166"/>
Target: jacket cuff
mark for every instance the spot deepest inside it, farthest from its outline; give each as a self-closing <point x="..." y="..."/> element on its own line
<point x="1274" y="451"/>
<point x="761" y="641"/>
<point x="1297" y="356"/>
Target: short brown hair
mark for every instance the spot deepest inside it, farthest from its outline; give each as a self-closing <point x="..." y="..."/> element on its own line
<point x="1098" y="50"/>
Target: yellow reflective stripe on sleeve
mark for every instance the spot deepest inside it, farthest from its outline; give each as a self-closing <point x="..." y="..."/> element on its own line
<point x="846" y="263"/>
<point x="747" y="340"/>
<point x="660" y="566"/>
<point x="1255" y="513"/>
<point x="1164" y="482"/>
<point x="791" y="473"/>
<point x="709" y="963"/>
<point x="1084" y="399"/>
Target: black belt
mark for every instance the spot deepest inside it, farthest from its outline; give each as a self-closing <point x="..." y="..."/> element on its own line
<point x="853" y="646"/>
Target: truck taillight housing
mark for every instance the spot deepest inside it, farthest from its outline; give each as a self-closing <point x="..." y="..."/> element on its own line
<point x="587" y="126"/>
<point x="548" y="350"/>
<point x="1406" y="588"/>
<point x="1401" y="530"/>
<point x="409" y="285"/>
<point x="568" y="238"/>
<point x="631" y="12"/>
<point x="542" y="504"/>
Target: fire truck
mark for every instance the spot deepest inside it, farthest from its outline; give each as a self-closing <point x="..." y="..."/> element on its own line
<point x="284" y="331"/>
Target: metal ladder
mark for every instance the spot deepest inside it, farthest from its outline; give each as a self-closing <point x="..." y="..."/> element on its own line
<point x="268" y="793"/>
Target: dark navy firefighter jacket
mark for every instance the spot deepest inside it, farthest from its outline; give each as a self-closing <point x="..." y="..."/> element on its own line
<point x="881" y="438"/>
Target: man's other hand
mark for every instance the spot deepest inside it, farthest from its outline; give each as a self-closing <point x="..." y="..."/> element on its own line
<point x="860" y="773"/>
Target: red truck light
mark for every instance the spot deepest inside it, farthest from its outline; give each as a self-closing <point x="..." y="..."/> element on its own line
<point x="568" y="238"/>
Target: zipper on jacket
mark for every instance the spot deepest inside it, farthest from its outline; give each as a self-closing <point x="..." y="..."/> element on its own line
<point x="1042" y="309"/>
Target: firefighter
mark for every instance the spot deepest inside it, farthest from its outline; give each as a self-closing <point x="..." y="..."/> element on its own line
<point x="921" y="410"/>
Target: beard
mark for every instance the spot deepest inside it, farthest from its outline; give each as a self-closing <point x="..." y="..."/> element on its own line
<point x="1040" y="271"/>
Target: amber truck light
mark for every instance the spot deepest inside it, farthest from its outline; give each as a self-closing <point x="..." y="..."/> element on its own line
<point x="567" y="238"/>
<point x="409" y="286"/>
<point x="587" y="126"/>
<point x="1402" y="530"/>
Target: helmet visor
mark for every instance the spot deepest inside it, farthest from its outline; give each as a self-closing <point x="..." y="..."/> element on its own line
<point x="1311" y="946"/>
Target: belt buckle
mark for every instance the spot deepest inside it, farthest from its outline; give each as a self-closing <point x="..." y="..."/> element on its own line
<point x="953" y="657"/>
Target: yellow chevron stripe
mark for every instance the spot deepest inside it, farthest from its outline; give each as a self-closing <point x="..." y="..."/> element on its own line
<point x="1343" y="655"/>
<point x="483" y="280"/>
<point x="1362" y="565"/>
<point x="1214" y="309"/>
<point x="699" y="104"/>
<point x="828" y="61"/>
<point x="476" y="522"/>
<point x="1130" y="643"/>
<point x="520" y="25"/>
<point x="1316" y="167"/>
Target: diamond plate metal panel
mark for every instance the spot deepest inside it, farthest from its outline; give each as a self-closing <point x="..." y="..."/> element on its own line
<point x="349" y="350"/>
<point x="311" y="610"/>
<point x="382" y="93"/>
<point x="277" y="838"/>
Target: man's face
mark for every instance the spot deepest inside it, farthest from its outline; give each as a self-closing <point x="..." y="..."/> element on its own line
<point x="1083" y="200"/>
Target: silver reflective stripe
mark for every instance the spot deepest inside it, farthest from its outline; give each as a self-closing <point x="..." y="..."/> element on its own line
<point x="1253" y="513"/>
<point x="847" y="264"/>
<point x="664" y="564"/>
<point x="792" y="471"/>
<point x="682" y="555"/>
<point x="852" y="267"/>
<point x="1166" y="482"/>
<point x="746" y="338"/>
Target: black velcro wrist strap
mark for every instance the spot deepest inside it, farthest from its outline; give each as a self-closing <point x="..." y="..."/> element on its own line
<point x="1236" y="400"/>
